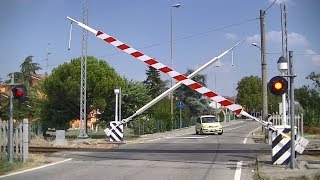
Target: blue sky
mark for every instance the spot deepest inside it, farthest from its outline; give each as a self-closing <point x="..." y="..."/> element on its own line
<point x="201" y="30"/>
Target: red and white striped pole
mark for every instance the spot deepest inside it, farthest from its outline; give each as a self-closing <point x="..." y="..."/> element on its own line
<point x="237" y="109"/>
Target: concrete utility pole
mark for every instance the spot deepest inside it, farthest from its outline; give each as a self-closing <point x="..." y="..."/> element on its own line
<point x="10" y="123"/>
<point x="292" y="161"/>
<point x="263" y="67"/>
<point x="264" y="95"/>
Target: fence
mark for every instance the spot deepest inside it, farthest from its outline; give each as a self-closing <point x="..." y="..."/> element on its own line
<point x="298" y="121"/>
<point x="20" y="140"/>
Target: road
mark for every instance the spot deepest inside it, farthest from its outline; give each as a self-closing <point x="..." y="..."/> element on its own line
<point x="178" y="156"/>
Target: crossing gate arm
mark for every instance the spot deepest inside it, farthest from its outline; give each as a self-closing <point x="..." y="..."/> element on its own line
<point x="178" y="84"/>
<point x="163" y="68"/>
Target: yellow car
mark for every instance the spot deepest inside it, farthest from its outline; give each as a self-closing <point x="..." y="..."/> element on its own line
<point x="208" y="124"/>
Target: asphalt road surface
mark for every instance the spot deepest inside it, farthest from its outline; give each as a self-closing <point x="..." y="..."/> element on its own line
<point x="178" y="156"/>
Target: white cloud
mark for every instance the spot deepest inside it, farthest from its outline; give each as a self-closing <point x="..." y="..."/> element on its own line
<point x="281" y="1"/>
<point x="315" y="58"/>
<point x="231" y="36"/>
<point x="276" y="37"/>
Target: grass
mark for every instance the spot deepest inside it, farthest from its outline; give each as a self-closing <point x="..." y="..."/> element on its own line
<point x="6" y="166"/>
<point x="100" y="134"/>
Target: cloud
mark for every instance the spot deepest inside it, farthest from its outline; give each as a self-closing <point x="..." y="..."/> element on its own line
<point x="276" y="37"/>
<point x="231" y="36"/>
<point x="315" y="58"/>
<point x="281" y="1"/>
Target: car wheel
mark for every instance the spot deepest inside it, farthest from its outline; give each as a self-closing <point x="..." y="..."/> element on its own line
<point x="197" y="132"/>
<point x="220" y="133"/>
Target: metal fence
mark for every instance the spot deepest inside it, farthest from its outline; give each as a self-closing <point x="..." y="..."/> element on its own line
<point x="20" y="140"/>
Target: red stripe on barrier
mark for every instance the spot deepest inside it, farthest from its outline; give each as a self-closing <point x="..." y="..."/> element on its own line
<point x="110" y="39"/>
<point x="165" y="69"/>
<point x="99" y="33"/>
<point x="238" y="111"/>
<point x="136" y="54"/>
<point x="151" y="61"/>
<point x="123" y="46"/>
<point x="180" y="77"/>
<point x="225" y="103"/>
<point x="195" y="85"/>
<point x="210" y="94"/>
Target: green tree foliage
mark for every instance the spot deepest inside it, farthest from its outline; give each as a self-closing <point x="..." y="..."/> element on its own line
<point x="29" y="107"/>
<point x="193" y="100"/>
<point x="154" y="83"/>
<point x="28" y="68"/>
<point x="249" y="95"/>
<point x="138" y="94"/>
<point x="309" y="98"/>
<point x="62" y="90"/>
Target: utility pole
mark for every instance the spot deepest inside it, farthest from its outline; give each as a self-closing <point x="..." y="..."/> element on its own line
<point x="83" y="78"/>
<point x="10" y="123"/>
<point x="292" y="124"/>
<point x="264" y="96"/>
<point x="285" y="55"/>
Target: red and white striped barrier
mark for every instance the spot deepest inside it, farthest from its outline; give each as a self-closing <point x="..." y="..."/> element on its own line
<point x="237" y="109"/>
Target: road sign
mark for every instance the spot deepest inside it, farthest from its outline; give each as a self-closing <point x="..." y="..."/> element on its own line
<point x="180" y="104"/>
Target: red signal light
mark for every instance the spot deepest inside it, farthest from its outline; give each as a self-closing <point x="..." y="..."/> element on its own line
<point x="278" y="85"/>
<point x="19" y="92"/>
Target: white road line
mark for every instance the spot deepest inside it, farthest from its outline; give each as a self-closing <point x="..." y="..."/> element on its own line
<point x="153" y="139"/>
<point x="36" y="168"/>
<point x="237" y="175"/>
<point x="235" y="128"/>
<point x="190" y="137"/>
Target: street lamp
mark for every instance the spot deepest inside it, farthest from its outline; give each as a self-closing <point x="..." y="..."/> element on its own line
<point x="283" y="67"/>
<point x="171" y="51"/>
<point x="256" y="45"/>
<point x="215" y="81"/>
<point x="116" y="91"/>
<point x="264" y="82"/>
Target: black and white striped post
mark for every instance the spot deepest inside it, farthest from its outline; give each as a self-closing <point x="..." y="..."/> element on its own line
<point x="281" y="146"/>
<point x="115" y="131"/>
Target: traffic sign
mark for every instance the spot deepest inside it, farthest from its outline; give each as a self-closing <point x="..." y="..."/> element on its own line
<point x="180" y="104"/>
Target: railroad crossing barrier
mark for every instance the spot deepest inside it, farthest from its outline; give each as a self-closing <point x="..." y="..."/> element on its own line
<point x="115" y="131"/>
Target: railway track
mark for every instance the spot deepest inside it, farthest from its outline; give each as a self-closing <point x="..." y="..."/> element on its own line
<point x="44" y="149"/>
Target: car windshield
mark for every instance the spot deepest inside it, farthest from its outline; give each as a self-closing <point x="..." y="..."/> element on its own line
<point x="209" y="119"/>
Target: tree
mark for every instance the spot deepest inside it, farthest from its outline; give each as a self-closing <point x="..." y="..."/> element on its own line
<point x="309" y="97"/>
<point x="249" y="95"/>
<point x="154" y="83"/>
<point x="194" y="100"/>
<point x="62" y="90"/>
<point x="28" y="68"/>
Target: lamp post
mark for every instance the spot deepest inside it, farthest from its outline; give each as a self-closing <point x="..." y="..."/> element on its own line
<point x="215" y="82"/>
<point x="171" y="51"/>
<point x="283" y="67"/>
<point x="116" y="92"/>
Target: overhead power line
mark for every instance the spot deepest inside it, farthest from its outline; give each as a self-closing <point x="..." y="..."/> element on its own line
<point x="192" y="35"/>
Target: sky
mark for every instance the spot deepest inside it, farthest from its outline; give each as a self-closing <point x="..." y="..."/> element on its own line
<point x="201" y="30"/>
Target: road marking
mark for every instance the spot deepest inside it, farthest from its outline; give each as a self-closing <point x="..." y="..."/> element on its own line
<point x="235" y="128"/>
<point x="237" y="175"/>
<point x="245" y="139"/>
<point x="36" y="168"/>
<point x="190" y="137"/>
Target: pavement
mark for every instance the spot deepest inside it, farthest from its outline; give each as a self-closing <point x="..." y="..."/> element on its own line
<point x="307" y="167"/>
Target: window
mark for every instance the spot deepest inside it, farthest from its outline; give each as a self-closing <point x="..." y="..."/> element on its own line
<point x="209" y="120"/>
